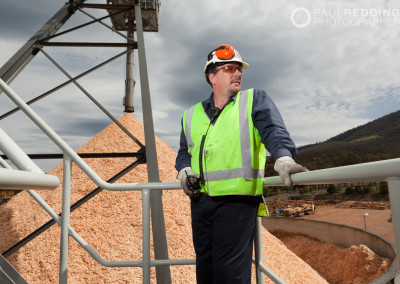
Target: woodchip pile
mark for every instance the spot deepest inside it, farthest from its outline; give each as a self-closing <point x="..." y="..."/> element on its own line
<point x="356" y="264"/>
<point x="111" y="222"/>
<point x="364" y="205"/>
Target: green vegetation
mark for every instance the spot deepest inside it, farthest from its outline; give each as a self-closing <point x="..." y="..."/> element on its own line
<point x="366" y="138"/>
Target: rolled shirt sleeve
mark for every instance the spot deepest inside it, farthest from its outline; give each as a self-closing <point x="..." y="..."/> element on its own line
<point x="269" y="123"/>
<point x="183" y="159"/>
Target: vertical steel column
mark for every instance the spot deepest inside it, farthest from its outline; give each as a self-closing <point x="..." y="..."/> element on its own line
<point x="130" y="81"/>
<point x="258" y="251"/>
<point x="157" y="214"/>
<point x="66" y="200"/>
<point x="394" y="196"/>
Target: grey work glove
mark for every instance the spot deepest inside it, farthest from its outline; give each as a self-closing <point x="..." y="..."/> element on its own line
<point x="184" y="181"/>
<point x="286" y="166"/>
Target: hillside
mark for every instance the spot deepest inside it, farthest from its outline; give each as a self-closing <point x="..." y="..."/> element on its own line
<point x="374" y="141"/>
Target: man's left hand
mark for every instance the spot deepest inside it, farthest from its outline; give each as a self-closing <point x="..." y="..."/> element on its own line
<point x="286" y="166"/>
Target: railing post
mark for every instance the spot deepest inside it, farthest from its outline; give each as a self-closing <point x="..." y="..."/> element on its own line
<point x="65" y="214"/>
<point x="394" y="196"/>
<point x="146" y="235"/>
<point x="258" y="251"/>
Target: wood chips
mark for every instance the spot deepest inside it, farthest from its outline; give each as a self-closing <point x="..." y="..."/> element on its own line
<point x="111" y="222"/>
<point x="356" y="264"/>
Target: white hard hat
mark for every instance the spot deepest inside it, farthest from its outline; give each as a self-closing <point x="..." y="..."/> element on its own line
<point x="224" y="53"/>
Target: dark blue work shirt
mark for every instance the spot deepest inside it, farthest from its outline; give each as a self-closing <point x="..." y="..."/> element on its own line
<point x="268" y="122"/>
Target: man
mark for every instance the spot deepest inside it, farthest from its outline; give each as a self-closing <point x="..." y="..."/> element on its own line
<point x="221" y="164"/>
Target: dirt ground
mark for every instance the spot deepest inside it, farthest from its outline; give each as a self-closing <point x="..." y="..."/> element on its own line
<point x="376" y="221"/>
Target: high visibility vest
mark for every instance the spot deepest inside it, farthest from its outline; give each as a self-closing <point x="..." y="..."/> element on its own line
<point x="233" y="156"/>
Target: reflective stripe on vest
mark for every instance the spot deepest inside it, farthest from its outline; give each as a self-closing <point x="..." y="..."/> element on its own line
<point x="246" y="170"/>
<point x="188" y="134"/>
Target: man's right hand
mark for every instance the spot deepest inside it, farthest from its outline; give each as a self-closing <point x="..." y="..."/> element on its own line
<point x="183" y="174"/>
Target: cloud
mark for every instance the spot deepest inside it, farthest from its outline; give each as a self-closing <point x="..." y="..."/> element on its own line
<point x="19" y="13"/>
<point x="325" y="79"/>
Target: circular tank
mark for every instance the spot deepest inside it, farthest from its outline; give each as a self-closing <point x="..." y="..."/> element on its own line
<point x="342" y="236"/>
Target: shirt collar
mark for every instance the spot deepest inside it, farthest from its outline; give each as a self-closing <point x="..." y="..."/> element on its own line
<point x="209" y="102"/>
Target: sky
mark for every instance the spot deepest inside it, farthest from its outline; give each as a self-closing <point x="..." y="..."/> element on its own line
<point x="328" y="65"/>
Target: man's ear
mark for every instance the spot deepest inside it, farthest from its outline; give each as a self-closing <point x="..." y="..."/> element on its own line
<point x="211" y="78"/>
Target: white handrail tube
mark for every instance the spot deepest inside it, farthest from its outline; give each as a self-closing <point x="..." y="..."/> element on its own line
<point x="373" y="171"/>
<point x="24" y="180"/>
<point x="4" y="164"/>
<point x="16" y="155"/>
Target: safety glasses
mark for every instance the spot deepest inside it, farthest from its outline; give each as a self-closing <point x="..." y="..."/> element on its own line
<point x="223" y="52"/>
<point x="230" y="68"/>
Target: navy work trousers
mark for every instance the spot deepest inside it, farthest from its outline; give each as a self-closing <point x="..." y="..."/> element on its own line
<point x="223" y="231"/>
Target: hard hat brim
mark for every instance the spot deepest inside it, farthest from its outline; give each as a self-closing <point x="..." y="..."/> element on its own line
<point x="213" y="61"/>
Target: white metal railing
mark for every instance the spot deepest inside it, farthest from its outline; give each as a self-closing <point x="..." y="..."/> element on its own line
<point x="70" y="156"/>
<point x="382" y="170"/>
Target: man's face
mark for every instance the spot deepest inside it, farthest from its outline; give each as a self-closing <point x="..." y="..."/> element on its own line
<point x="227" y="79"/>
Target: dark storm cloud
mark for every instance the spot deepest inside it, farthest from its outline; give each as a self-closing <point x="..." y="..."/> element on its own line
<point x="21" y="19"/>
<point x="346" y="72"/>
<point x="87" y="128"/>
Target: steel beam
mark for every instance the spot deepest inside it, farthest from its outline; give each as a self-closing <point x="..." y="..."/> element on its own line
<point x="83" y="25"/>
<point x="158" y="223"/>
<point x="138" y="154"/>
<point x="26" y="53"/>
<point x="90" y="44"/>
<point x="107" y="6"/>
<point x="94" y="100"/>
<point x="72" y="80"/>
